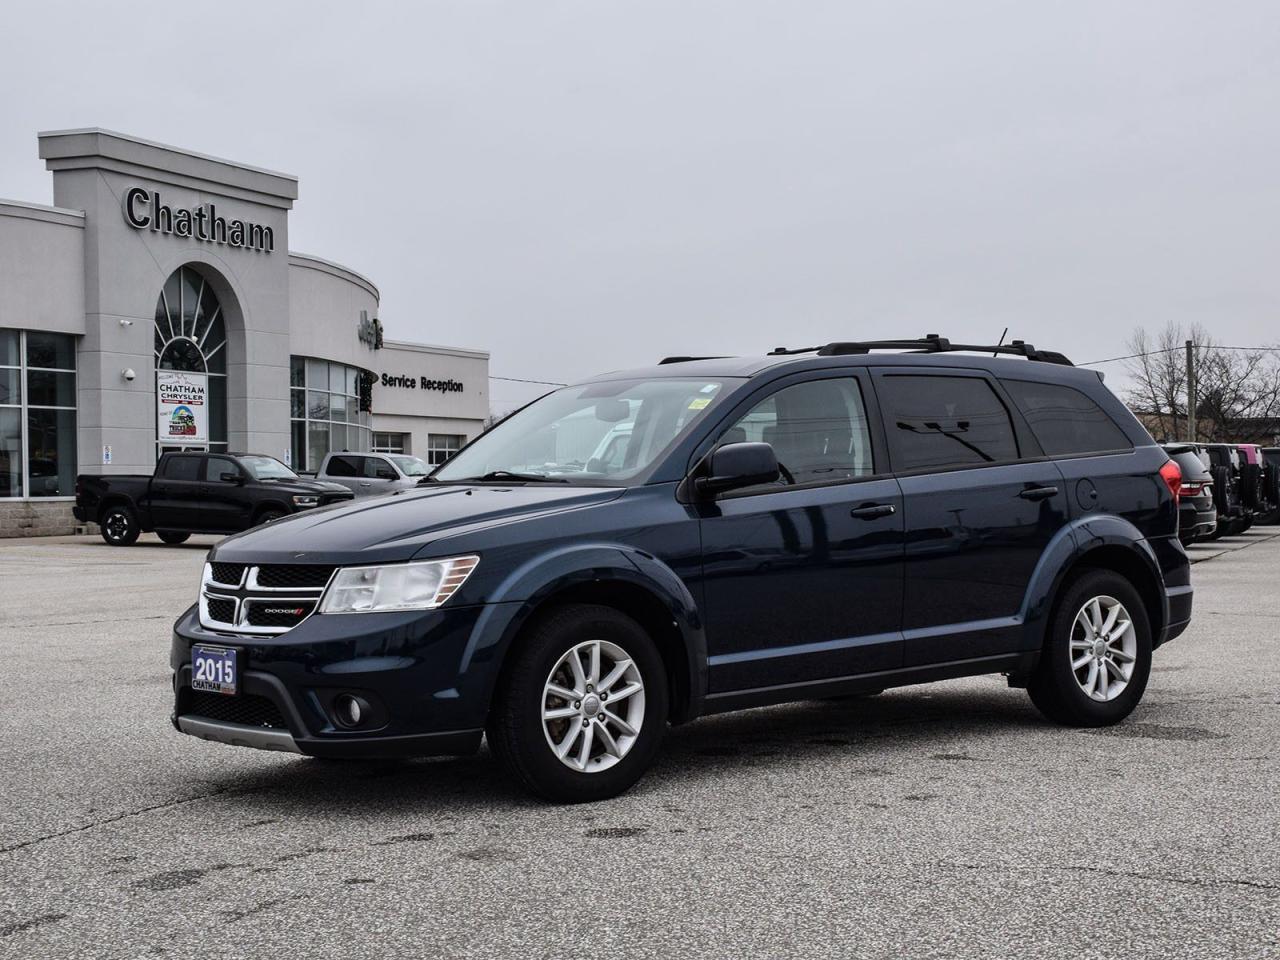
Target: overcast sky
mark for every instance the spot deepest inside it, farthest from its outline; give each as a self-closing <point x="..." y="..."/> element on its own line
<point x="579" y="186"/>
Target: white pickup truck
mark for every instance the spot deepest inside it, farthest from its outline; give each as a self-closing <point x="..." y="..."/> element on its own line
<point x="368" y="474"/>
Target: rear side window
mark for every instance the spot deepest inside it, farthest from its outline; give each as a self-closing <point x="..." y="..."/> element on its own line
<point x="940" y="422"/>
<point x="182" y="468"/>
<point x="1064" y="420"/>
<point x="344" y="466"/>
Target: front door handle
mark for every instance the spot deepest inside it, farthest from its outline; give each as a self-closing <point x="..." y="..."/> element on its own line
<point x="871" y="511"/>
<point x="365" y="483"/>
<point x="1038" y="493"/>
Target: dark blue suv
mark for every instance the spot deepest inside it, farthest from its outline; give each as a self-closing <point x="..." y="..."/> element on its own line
<point x="699" y="536"/>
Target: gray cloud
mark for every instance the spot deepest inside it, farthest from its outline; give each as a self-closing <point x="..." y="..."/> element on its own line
<point x="578" y="186"/>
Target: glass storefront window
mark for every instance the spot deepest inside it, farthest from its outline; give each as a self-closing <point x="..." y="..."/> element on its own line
<point x="10" y="452"/>
<point x="324" y="405"/>
<point x="442" y="446"/>
<point x="37" y="414"/>
<point x="390" y="442"/>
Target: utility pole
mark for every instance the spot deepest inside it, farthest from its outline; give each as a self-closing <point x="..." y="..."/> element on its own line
<point x="1191" y="391"/>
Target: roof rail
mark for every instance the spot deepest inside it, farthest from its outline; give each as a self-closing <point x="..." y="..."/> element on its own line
<point x="931" y="343"/>
<point x="666" y="360"/>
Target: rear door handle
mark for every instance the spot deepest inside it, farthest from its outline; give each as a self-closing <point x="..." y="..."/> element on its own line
<point x="1038" y="493"/>
<point x="871" y="511"/>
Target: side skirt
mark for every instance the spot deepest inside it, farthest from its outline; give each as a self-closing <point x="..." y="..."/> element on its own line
<point x="1017" y="665"/>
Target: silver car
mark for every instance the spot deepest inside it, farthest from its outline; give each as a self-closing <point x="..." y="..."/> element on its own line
<point x="369" y="474"/>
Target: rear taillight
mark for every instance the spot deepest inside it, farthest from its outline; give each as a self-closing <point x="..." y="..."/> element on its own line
<point x="1192" y="489"/>
<point x="1171" y="474"/>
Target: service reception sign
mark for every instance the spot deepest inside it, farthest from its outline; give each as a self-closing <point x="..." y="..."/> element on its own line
<point x="182" y="407"/>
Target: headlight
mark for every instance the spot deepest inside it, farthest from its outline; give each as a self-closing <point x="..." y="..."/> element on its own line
<point x="421" y="585"/>
<point x="305" y="501"/>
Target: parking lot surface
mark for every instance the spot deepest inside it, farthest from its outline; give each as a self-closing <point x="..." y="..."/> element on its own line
<point x="932" y="821"/>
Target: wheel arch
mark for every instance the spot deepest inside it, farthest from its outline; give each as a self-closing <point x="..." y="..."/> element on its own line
<point x="269" y="505"/>
<point x="636" y="584"/>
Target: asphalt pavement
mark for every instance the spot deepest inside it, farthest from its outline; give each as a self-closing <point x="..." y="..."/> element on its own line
<point x="946" y="820"/>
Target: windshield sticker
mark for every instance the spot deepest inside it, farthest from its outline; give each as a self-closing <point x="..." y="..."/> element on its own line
<point x="697" y="403"/>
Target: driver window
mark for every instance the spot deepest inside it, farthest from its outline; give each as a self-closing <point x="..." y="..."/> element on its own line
<point x="215" y="467"/>
<point x="818" y="430"/>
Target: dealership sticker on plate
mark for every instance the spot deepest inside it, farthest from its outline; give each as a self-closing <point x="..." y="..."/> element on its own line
<point x="214" y="669"/>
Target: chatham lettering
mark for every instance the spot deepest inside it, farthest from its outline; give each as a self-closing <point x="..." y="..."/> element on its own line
<point x="146" y="211"/>
<point x="422" y="383"/>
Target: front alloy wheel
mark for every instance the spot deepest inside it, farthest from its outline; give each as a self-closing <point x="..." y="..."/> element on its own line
<point x="581" y="708"/>
<point x="593" y="706"/>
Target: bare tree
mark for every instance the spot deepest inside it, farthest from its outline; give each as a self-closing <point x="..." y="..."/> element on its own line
<point x="1237" y="391"/>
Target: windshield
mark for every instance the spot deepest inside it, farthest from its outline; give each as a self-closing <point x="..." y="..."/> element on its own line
<point x="267" y="468"/>
<point x="412" y="466"/>
<point x="609" y="432"/>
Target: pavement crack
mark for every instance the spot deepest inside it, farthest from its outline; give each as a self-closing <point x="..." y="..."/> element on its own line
<point x="116" y="818"/>
<point x="1208" y="882"/>
<point x="9" y="929"/>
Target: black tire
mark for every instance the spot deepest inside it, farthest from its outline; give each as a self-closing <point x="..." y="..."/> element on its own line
<point x="169" y="536"/>
<point x="515" y="730"/>
<point x="1054" y="688"/>
<point x="266" y="516"/>
<point x="119" y="525"/>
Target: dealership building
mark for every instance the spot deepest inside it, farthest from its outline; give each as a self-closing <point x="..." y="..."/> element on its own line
<point x="156" y="306"/>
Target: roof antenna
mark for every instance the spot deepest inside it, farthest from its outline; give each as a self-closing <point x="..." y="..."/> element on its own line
<point x="1001" y="343"/>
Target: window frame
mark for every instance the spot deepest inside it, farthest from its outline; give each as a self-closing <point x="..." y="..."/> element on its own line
<point x="24" y="406"/>
<point x="751" y="399"/>
<point x="1028" y="447"/>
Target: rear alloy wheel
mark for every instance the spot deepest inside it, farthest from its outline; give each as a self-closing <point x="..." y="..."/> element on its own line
<point x="119" y="526"/>
<point x="1097" y="657"/>
<point x="582" y="707"/>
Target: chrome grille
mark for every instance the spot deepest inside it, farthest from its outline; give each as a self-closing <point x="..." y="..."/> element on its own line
<point x="266" y="599"/>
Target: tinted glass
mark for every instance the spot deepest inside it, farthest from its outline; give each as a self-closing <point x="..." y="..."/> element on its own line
<point x="56" y="350"/>
<point x="10" y="453"/>
<point x="1064" y="420"/>
<point x="343" y="467"/>
<point x="182" y="468"/>
<point x="51" y="453"/>
<point x="215" y="467"/>
<point x="10" y="386"/>
<point x="46" y="388"/>
<point x="8" y="348"/>
<point x="938" y="422"/>
<point x="818" y="430"/>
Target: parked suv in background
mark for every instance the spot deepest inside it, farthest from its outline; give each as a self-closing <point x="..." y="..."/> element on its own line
<point x="367" y="474"/>
<point x="811" y="523"/>
<point x="1197" y="515"/>
<point x="1228" y="490"/>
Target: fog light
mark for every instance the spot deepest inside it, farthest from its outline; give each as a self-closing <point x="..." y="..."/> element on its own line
<point x="349" y="711"/>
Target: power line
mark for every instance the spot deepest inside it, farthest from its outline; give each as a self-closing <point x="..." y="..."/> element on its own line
<point x="1153" y="353"/>
<point x="545" y="383"/>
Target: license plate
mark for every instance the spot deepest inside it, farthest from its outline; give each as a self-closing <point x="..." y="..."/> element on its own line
<point x="214" y="669"/>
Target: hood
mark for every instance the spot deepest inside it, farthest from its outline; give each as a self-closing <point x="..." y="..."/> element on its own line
<point x="303" y="485"/>
<point x="397" y="526"/>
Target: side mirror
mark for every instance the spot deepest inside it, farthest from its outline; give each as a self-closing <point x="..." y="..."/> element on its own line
<point x="736" y="465"/>
<point x="230" y="476"/>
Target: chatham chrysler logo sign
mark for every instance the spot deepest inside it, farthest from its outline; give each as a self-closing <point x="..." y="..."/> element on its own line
<point x="146" y="211"/>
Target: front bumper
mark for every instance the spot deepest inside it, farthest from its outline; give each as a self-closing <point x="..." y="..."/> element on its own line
<point x="426" y="685"/>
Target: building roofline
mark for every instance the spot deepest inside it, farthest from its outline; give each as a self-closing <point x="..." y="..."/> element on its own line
<point x="39" y="211"/>
<point x="312" y="262"/>
<point x="95" y="148"/>
<point x="435" y="348"/>
<point x="116" y="134"/>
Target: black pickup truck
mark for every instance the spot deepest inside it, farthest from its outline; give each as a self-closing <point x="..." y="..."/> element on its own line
<point x="198" y="493"/>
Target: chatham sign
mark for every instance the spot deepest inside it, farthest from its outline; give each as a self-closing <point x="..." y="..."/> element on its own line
<point x="145" y="211"/>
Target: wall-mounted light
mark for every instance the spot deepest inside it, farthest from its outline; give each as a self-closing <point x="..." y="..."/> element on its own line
<point x="125" y="322"/>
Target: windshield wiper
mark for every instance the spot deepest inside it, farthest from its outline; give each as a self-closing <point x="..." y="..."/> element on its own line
<point x="498" y="476"/>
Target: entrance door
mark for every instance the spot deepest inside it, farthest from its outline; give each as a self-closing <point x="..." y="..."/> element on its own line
<point x="802" y="579"/>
